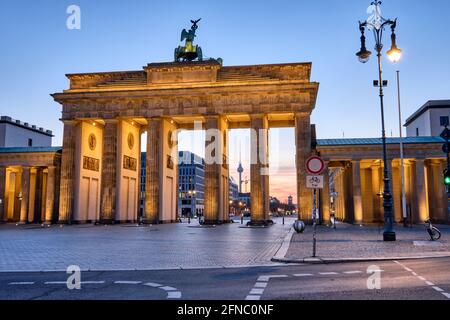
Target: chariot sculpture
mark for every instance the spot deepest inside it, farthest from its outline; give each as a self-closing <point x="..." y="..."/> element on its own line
<point x="189" y="52"/>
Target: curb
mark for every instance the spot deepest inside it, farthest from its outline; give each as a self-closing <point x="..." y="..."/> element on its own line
<point x="348" y="260"/>
<point x="280" y="256"/>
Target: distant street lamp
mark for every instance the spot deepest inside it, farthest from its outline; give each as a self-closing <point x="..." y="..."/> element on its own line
<point x="377" y="23"/>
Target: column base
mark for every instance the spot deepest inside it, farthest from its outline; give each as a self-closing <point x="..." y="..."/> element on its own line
<point x="149" y="221"/>
<point x="47" y="223"/>
<point x="389" y="237"/>
<point x="211" y="222"/>
<point x="22" y="223"/>
<point x="264" y="223"/>
<point x="107" y="221"/>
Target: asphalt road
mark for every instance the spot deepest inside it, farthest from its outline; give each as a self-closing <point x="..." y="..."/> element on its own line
<point x="414" y="279"/>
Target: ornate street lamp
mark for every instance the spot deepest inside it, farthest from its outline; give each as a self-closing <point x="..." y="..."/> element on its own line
<point x="377" y="24"/>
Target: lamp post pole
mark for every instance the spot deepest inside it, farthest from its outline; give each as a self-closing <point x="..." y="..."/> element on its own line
<point x="377" y="23"/>
<point x="389" y="233"/>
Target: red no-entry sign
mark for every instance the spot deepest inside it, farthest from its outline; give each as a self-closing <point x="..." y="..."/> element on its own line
<point x="315" y="165"/>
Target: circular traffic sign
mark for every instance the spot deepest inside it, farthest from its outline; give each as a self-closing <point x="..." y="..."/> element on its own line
<point x="315" y="165"/>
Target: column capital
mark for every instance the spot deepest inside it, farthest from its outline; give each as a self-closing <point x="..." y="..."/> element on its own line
<point x="69" y="122"/>
<point x="111" y="121"/>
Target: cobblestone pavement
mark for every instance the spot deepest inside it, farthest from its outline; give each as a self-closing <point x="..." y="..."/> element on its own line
<point x="129" y="247"/>
<point x="356" y="242"/>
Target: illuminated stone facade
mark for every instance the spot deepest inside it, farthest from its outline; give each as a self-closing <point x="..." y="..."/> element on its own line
<point x="116" y="107"/>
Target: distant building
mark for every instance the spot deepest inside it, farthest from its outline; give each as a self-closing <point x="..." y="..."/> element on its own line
<point x="191" y="184"/>
<point x="234" y="189"/>
<point x="426" y="122"/>
<point x="15" y="133"/>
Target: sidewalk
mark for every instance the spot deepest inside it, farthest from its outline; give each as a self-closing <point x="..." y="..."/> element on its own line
<point x="351" y="243"/>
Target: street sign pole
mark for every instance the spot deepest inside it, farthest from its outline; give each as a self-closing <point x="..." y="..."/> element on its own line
<point x="314" y="223"/>
<point x="315" y="167"/>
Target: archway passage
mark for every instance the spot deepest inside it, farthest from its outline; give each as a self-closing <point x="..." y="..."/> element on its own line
<point x="161" y="99"/>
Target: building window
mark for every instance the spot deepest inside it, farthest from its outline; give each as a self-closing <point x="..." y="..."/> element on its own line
<point x="417" y="132"/>
<point x="444" y="121"/>
<point x="30" y="142"/>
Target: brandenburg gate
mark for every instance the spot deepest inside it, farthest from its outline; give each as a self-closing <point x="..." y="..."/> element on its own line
<point x="104" y="115"/>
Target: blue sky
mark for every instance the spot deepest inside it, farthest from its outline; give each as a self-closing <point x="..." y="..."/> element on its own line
<point x="37" y="50"/>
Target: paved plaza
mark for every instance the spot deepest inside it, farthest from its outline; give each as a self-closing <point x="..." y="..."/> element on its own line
<point x="132" y="247"/>
<point x="354" y="243"/>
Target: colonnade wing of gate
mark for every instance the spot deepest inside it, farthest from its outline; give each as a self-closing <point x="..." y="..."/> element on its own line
<point x="104" y="115"/>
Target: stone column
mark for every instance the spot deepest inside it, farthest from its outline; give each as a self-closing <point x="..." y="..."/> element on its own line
<point x="377" y="189"/>
<point x="50" y="195"/>
<point x="109" y="172"/>
<point x="2" y="194"/>
<point x="216" y="170"/>
<point x="151" y="204"/>
<point x="436" y="191"/>
<point x="357" y="195"/>
<point x="32" y="195"/>
<point x="421" y="192"/>
<point x="303" y="151"/>
<point x="325" y="197"/>
<point x="25" y="193"/>
<point x="396" y="182"/>
<point x="259" y="170"/>
<point x="66" y="190"/>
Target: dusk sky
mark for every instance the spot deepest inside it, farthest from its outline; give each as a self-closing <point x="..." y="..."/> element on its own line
<point x="37" y="50"/>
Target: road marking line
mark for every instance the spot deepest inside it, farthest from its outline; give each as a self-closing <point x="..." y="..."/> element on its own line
<point x="353" y="272"/>
<point x="256" y="291"/>
<point x="55" y="282"/>
<point x="426" y="281"/>
<point x="92" y="282"/>
<point x="255" y="298"/>
<point x="20" y="283"/>
<point x="328" y="273"/>
<point x="152" y="284"/>
<point x="407" y="269"/>
<point x="261" y="285"/>
<point x="127" y="282"/>
<point x="267" y="278"/>
<point x="303" y="275"/>
<point x="174" y="295"/>
<point x="167" y="288"/>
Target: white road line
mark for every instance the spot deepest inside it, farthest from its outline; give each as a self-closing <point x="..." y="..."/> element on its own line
<point x="255" y="291"/>
<point x="303" y="275"/>
<point x="328" y="273"/>
<point x="55" y="282"/>
<point x="167" y="288"/>
<point x="152" y="284"/>
<point x="254" y="298"/>
<point x="261" y="285"/>
<point x="174" y="295"/>
<point x="127" y="282"/>
<point x="353" y="272"/>
<point x="431" y="284"/>
<point x="267" y="278"/>
<point x="92" y="282"/>
<point x="20" y="283"/>
<point x="407" y="269"/>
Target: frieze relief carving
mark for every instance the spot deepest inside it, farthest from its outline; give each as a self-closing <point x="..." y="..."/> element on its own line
<point x="182" y="105"/>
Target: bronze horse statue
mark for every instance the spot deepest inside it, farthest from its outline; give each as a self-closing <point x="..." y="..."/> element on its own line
<point x="189" y="52"/>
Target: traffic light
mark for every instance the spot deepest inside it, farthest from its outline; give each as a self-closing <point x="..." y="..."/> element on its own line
<point x="447" y="177"/>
